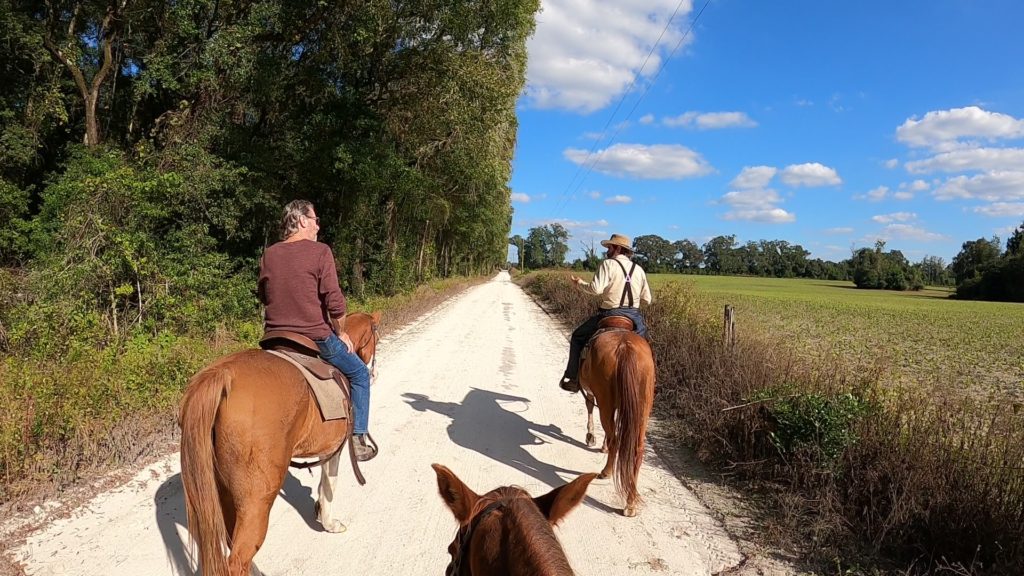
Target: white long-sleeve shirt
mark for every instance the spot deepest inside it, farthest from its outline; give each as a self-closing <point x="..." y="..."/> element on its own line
<point x="609" y="282"/>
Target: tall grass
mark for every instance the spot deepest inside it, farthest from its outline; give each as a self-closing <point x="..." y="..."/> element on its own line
<point x="902" y="478"/>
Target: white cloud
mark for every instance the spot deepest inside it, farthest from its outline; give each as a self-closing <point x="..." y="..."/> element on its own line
<point x="903" y="195"/>
<point x="772" y="215"/>
<point x="874" y="195"/>
<point x="710" y="120"/>
<point x="1002" y="209"/>
<point x="568" y="224"/>
<point x="619" y="199"/>
<point x="943" y="129"/>
<point x="992" y="187"/>
<point x="971" y="159"/>
<point x="594" y="194"/>
<point x="585" y="54"/>
<point x="894" y="217"/>
<point x="892" y="163"/>
<point x="810" y="174"/>
<point x="651" y="162"/>
<point x="520" y="197"/>
<point x="756" y="204"/>
<point x="915" y="186"/>
<point x="646" y="119"/>
<point x="908" y="232"/>
<point x="839" y="230"/>
<point x="754" y="177"/>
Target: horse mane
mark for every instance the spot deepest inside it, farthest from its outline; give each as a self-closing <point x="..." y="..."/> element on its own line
<point x="530" y="540"/>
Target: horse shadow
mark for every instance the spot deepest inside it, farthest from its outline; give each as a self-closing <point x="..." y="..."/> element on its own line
<point x="170" y="515"/>
<point x="482" y="409"/>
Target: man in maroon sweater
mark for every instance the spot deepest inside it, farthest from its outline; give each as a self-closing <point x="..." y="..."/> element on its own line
<point x="298" y="285"/>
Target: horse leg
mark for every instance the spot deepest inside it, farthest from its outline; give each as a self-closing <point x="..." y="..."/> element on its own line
<point x="611" y="443"/>
<point x="591" y="438"/>
<point x="325" y="501"/>
<point x="251" y="523"/>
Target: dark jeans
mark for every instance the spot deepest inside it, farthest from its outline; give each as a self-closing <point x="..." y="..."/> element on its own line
<point x="333" y="350"/>
<point x="581" y="335"/>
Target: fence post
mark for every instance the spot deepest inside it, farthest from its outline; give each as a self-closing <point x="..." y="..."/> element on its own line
<point x="729" y="328"/>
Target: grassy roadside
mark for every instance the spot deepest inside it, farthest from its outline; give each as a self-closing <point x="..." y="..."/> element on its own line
<point x="103" y="408"/>
<point x="872" y="478"/>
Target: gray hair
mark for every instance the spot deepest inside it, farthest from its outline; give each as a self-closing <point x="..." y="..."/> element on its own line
<point x="290" y="218"/>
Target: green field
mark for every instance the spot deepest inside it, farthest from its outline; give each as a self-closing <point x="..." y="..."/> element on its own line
<point x="913" y="336"/>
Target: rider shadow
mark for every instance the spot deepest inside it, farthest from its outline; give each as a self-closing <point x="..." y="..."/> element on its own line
<point x="170" y="514"/>
<point x="482" y="409"/>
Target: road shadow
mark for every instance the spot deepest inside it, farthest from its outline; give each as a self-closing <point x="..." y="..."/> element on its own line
<point x="169" y="502"/>
<point x="482" y="410"/>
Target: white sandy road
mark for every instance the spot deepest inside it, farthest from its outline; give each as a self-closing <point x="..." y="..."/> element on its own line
<point x="471" y="385"/>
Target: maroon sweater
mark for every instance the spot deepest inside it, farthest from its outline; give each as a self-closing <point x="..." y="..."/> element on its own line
<point x="299" y="286"/>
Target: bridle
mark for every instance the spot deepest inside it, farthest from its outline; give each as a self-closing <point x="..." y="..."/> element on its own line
<point x="464" y="535"/>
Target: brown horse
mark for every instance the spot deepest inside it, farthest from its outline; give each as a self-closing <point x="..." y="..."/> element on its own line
<point x="506" y="532"/>
<point x="618" y="375"/>
<point x="243" y="418"/>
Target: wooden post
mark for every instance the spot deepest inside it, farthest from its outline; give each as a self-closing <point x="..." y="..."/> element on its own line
<point x="729" y="328"/>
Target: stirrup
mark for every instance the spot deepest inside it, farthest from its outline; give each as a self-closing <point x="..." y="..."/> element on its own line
<point x="364" y="450"/>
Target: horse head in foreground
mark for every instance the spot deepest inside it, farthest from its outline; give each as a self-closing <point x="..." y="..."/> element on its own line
<point x="505" y="532"/>
<point x="617" y="375"/>
<point x="243" y="418"/>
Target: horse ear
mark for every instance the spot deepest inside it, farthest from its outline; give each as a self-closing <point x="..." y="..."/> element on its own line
<point x="556" y="504"/>
<point x="376" y="318"/>
<point x="459" y="498"/>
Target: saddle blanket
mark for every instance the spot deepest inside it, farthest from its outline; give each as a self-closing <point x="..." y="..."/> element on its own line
<point x="329" y="396"/>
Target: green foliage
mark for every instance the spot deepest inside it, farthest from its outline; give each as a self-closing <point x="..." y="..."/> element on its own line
<point x="812" y="423"/>
<point x="875" y="269"/>
<point x="546" y="246"/>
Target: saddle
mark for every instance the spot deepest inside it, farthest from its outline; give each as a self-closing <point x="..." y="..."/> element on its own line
<point x="329" y="385"/>
<point x="607" y="324"/>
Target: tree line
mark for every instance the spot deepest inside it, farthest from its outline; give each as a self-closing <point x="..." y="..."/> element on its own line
<point x="980" y="271"/>
<point x="147" y="147"/>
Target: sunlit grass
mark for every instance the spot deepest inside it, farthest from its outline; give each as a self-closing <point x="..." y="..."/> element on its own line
<point x="923" y="336"/>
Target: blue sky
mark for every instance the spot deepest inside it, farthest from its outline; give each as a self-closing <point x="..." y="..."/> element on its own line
<point x="827" y="124"/>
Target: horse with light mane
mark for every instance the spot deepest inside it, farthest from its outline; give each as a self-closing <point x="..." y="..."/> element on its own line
<point x="617" y="375"/>
<point x="243" y="418"/>
<point x="505" y="532"/>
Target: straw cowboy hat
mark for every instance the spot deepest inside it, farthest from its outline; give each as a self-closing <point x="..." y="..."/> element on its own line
<point x="618" y="240"/>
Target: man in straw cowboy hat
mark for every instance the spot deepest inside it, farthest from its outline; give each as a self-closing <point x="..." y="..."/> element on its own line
<point x="622" y="285"/>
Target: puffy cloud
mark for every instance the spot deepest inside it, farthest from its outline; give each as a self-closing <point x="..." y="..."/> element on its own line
<point x="892" y="163"/>
<point x="520" y="197"/>
<point x="942" y="129"/>
<point x="894" y="217"/>
<point x="810" y="174"/>
<point x="991" y="186"/>
<point x="756" y="204"/>
<point x="771" y="215"/>
<point x="874" y="195"/>
<point x="711" y="120"/>
<point x="754" y="177"/>
<point x="909" y="232"/>
<point x="619" y="199"/>
<point x="649" y="162"/>
<point x="1002" y="210"/>
<point x="585" y="54"/>
<point x="646" y="119"/>
<point x="903" y="195"/>
<point x="970" y="159"/>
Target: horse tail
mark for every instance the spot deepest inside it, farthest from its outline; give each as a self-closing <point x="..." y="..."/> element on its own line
<point x="198" y="462"/>
<point x="636" y="391"/>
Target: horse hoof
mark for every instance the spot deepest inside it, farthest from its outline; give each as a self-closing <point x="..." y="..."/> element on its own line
<point x="602" y="476"/>
<point x="629" y="512"/>
<point x="591" y="440"/>
<point x="334" y="527"/>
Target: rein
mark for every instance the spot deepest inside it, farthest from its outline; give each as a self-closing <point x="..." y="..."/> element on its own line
<point x="464" y="535"/>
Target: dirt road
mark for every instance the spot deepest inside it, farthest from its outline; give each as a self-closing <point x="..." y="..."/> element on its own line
<point x="471" y="385"/>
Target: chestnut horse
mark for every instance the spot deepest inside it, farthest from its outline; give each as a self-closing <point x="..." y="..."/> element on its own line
<point x="505" y="532"/>
<point x="618" y="375"/>
<point x="243" y="418"/>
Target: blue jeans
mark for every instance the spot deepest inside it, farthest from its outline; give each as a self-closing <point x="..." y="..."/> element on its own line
<point x="334" y="351"/>
<point x="581" y="335"/>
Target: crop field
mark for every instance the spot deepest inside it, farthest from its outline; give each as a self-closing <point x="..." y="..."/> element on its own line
<point x="914" y="337"/>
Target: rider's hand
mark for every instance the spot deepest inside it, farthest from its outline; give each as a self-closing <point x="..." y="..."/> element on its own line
<point x="348" y="341"/>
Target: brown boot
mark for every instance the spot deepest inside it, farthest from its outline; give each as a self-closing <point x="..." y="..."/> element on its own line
<point x="364" y="450"/>
<point x="569" y="384"/>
